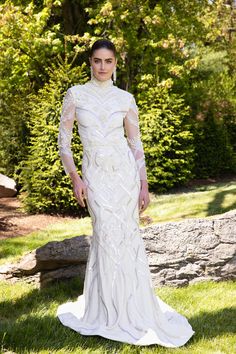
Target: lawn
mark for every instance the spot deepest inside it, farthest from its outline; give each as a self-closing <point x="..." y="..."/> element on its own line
<point x="27" y="314"/>
<point x="29" y="324"/>
<point x="201" y="201"/>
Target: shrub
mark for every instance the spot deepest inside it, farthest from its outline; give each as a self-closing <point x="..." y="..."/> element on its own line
<point x="45" y="186"/>
<point x="166" y="137"/>
<point x="214" y="152"/>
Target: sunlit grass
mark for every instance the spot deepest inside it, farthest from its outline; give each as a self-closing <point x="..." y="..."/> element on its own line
<point x="201" y="202"/>
<point x="27" y="315"/>
<point x="13" y="248"/>
<point x="29" y="323"/>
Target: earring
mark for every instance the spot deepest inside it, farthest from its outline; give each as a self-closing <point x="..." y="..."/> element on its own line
<point x="91" y="72"/>
<point x="114" y="74"/>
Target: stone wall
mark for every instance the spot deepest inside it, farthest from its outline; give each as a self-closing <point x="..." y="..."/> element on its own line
<point x="179" y="253"/>
<point x="192" y="250"/>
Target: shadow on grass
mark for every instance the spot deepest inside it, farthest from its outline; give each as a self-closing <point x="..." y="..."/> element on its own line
<point x="216" y="205"/>
<point x="35" y="298"/>
<point x="26" y="327"/>
<point x="214" y="323"/>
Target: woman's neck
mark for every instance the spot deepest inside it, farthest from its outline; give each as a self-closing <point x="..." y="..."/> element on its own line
<point x="100" y="83"/>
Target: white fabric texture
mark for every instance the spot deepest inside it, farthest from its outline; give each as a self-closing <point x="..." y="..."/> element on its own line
<point x="118" y="300"/>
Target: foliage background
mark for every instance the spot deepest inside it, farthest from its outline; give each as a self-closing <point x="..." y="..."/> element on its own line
<point x="176" y="57"/>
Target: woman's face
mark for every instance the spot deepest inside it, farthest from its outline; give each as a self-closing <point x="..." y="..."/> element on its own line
<point x="103" y="63"/>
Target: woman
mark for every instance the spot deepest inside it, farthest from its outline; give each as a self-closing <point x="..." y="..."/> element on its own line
<point x="118" y="301"/>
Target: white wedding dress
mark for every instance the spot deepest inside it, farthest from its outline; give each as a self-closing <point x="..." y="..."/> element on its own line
<point x="118" y="301"/>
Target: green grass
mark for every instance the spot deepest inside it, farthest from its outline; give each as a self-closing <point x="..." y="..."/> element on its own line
<point x="199" y="202"/>
<point x="29" y="323"/>
<point x="13" y="248"/>
<point x="27" y="314"/>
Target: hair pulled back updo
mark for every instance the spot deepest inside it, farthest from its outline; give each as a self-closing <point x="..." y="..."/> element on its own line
<point x="103" y="43"/>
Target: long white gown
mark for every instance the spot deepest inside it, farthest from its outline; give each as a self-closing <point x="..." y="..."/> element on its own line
<point x="118" y="301"/>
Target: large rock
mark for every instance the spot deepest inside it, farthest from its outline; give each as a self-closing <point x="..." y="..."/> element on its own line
<point x="53" y="261"/>
<point x="7" y="186"/>
<point x="192" y="250"/>
<point x="179" y="253"/>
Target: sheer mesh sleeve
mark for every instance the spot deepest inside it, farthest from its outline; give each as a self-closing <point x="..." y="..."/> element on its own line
<point x="134" y="139"/>
<point x="65" y="132"/>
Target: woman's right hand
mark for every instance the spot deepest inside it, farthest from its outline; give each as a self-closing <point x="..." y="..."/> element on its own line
<point x="79" y="189"/>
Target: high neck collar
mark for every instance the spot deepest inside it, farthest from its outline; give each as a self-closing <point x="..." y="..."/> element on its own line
<point x="100" y="83"/>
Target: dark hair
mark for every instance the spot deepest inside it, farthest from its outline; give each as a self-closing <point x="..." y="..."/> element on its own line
<point x="103" y="43"/>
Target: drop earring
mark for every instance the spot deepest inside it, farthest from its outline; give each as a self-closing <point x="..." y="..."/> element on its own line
<point x="91" y="72"/>
<point x="114" y="74"/>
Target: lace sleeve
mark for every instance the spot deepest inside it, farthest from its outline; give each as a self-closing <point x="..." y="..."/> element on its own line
<point x="65" y="132"/>
<point x="134" y="139"/>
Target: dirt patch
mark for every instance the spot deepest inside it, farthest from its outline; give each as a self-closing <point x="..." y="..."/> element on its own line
<point x="15" y="222"/>
<point x="210" y="181"/>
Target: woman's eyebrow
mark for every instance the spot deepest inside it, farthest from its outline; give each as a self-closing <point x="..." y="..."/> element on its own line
<point x="101" y="59"/>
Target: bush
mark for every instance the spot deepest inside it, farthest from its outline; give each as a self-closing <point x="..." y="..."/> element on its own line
<point x="214" y="152"/>
<point x="166" y="137"/>
<point x="210" y="92"/>
<point x="13" y="130"/>
<point x="45" y="186"/>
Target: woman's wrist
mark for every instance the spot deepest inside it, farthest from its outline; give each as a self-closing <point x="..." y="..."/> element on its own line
<point x="144" y="183"/>
<point x="74" y="176"/>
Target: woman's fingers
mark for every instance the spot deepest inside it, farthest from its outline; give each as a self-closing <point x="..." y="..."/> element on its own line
<point x="80" y="194"/>
<point x="84" y="195"/>
<point x="140" y="201"/>
<point x="144" y="206"/>
<point x="77" y="197"/>
<point x="143" y="201"/>
<point x="141" y="205"/>
<point x="147" y="201"/>
<point x="81" y="197"/>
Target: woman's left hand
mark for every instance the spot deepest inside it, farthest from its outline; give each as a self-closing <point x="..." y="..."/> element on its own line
<point x="144" y="199"/>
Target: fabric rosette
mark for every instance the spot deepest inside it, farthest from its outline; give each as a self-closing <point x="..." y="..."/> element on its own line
<point x="108" y="162"/>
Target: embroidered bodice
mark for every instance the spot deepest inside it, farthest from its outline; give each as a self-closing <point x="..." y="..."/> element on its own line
<point x="105" y="114"/>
